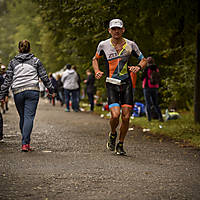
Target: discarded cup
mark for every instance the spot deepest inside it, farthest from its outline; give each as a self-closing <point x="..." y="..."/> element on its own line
<point x="46" y="151"/>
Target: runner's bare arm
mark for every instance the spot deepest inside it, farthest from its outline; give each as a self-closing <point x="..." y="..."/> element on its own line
<point x="142" y="64"/>
<point x="95" y="64"/>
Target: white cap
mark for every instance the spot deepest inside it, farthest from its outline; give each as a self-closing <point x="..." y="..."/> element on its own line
<point x="116" y="23"/>
<point x="3" y="66"/>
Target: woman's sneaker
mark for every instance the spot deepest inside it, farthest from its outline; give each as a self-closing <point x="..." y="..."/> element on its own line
<point x="120" y="149"/>
<point x="25" y="148"/>
<point x="29" y="147"/>
<point x="111" y="141"/>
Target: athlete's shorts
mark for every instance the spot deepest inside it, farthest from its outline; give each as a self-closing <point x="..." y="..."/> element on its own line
<point x="120" y="95"/>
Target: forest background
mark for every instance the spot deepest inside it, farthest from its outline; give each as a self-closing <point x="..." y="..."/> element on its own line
<point x="68" y="31"/>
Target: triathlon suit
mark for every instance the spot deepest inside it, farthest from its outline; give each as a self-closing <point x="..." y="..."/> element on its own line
<point x="118" y="79"/>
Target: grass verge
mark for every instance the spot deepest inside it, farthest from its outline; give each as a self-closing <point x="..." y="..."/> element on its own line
<point x="183" y="129"/>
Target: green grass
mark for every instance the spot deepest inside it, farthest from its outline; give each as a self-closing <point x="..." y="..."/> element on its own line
<point x="182" y="130"/>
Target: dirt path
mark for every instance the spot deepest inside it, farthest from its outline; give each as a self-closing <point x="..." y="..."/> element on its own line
<point x="70" y="162"/>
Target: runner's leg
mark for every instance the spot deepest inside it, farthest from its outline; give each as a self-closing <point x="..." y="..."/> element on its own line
<point x="125" y="123"/>
<point x="114" y="119"/>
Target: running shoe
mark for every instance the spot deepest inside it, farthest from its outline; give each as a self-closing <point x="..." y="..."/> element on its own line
<point x="25" y="147"/>
<point x="111" y="141"/>
<point x="120" y="150"/>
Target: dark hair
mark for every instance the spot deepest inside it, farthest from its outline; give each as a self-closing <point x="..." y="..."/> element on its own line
<point x="24" y="46"/>
<point x="150" y="60"/>
<point x="50" y="74"/>
<point x="88" y="70"/>
<point x="74" y="67"/>
<point x="68" y="66"/>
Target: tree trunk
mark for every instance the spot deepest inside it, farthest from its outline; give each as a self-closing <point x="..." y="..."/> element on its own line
<point x="197" y="75"/>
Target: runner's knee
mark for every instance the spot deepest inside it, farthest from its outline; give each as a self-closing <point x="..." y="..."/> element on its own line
<point x="125" y="118"/>
<point x="115" y="115"/>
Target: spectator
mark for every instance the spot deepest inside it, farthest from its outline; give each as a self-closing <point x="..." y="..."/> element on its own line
<point x="79" y="87"/>
<point x="23" y="74"/>
<point x="90" y="88"/>
<point x="60" y="90"/>
<point x="4" y="104"/>
<point x="42" y="88"/>
<point x="70" y="85"/>
<point x="54" y="83"/>
<point x="1" y="118"/>
<point x="151" y="89"/>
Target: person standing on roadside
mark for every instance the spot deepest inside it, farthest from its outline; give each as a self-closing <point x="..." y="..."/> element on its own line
<point x="1" y="127"/>
<point x="1" y="117"/>
<point x="60" y="90"/>
<point x="5" y="101"/>
<point x="54" y="83"/>
<point x="42" y="88"/>
<point x="90" y="88"/>
<point x="23" y="74"/>
<point x="150" y="88"/>
<point x="78" y="91"/>
<point x="117" y="51"/>
<point x="4" y="104"/>
<point x="70" y="85"/>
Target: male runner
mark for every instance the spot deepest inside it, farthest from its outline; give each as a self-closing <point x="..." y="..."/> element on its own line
<point x="117" y="51"/>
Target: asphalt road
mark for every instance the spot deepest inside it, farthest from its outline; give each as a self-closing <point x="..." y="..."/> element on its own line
<point x="70" y="162"/>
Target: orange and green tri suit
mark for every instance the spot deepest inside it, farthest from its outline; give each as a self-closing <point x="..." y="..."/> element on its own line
<point x="117" y="73"/>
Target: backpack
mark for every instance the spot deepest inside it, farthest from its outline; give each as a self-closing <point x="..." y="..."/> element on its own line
<point x="155" y="76"/>
<point x="138" y="109"/>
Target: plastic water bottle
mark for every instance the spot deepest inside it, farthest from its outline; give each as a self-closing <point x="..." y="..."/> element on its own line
<point x="166" y="114"/>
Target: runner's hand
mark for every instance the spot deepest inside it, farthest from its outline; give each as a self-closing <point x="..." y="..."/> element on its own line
<point x="99" y="74"/>
<point x="134" y="69"/>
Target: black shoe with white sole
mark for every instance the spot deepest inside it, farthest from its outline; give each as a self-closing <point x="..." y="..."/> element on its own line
<point x="120" y="150"/>
<point x="111" y="141"/>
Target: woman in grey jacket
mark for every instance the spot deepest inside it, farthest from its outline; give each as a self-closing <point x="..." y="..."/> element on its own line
<point x="70" y="85"/>
<point x="23" y="74"/>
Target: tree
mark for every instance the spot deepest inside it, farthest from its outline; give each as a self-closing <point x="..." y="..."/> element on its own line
<point x="197" y="75"/>
<point x="68" y="31"/>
